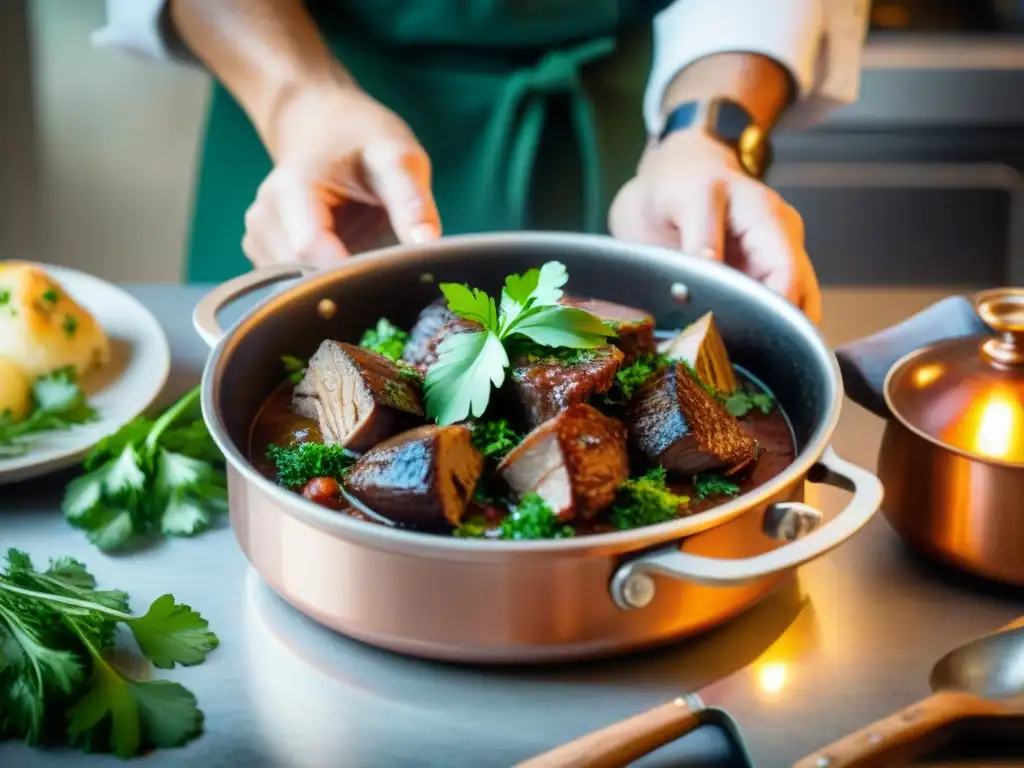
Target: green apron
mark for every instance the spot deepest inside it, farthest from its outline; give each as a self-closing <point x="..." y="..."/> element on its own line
<point x="530" y="111"/>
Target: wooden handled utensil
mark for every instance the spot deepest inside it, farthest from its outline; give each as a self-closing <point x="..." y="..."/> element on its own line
<point x="984" y="678"/>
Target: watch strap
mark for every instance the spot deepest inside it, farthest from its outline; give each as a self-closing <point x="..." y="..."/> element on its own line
<point x="728" y="122"/>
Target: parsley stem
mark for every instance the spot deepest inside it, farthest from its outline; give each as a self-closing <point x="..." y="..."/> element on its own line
<point x="87" y="605"/>
<point x="169" y="417"/>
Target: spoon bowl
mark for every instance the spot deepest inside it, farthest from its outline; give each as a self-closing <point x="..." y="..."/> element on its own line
<point x="991" y="667"/>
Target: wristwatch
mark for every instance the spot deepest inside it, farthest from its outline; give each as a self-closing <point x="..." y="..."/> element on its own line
<point x="728" y="122"/>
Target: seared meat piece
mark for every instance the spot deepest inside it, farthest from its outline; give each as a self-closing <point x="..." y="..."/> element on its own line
<point x="700" y="346"/>
<point x="357" y="397"/>
<point x="435" y="323"/>
<point x="674" y="422"/>
<point x="547" y="382"/>
<point x="634" y="326"/>
<point x="424" y="477"/>
<point x="575" y="462"/>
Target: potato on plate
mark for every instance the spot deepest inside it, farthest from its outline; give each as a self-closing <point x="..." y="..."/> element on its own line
<point x="15" y="390"/>
<point x="42" y="328"/>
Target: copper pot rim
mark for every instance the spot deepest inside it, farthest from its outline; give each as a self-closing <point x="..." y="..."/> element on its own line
<point x="896" y="369"/>
<point x="383" y="536"/>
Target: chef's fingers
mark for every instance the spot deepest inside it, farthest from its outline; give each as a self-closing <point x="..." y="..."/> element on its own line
<point x="770" y="239"/>
<point x="304" y="219"/>
<point x="700" y="215"/>
<point x="633" y="219"/>
<point x="399" y="174"/>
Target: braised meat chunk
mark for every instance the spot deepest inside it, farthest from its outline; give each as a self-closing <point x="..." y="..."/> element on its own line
<point x="422" y="478"/>
<point x="435" y="323"/>
<point x="700" y="346"/>
<point x="547" y="382"/>
<point x="635" y="328"/>
<point x="575" y="462"/>
<point x="357" y="397"/>
<point x="677" y="424"/>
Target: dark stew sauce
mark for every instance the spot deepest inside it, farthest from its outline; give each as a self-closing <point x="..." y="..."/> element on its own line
<point x="277" y="424"/>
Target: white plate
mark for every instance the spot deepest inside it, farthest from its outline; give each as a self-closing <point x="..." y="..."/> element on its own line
<point x="138" y="369"/>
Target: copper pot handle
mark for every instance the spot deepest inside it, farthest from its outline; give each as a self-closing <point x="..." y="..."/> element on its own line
<point x="204" y="316"/>
<point x="632" y="586"/>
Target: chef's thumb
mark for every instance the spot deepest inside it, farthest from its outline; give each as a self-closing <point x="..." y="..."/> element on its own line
<point x="399" y="174"/>
<point x="701" y="220"/>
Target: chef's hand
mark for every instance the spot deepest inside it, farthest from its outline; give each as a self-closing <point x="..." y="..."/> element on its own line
<point x="690" y="192"/>
<point x="346" y="170"/>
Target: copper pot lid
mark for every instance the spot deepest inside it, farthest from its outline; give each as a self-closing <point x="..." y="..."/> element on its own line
<point x="967" y="394"/>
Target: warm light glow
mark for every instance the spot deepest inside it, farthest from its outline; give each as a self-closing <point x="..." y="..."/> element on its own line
<point x="999" y="421"/>
<point x="926" y="374"/>
<point x="772" y="677"/>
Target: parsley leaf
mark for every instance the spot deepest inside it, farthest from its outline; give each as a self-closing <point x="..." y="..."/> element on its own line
<point x="300" y="463"/>
<point x="706" y="486"/>
<point x="295" y="367"/>
<point x="532" y="518"/>
<point x="57" y="404"/>
<point x="742" y="402"/>
<point x="629" y="379"/>
<point x="646" y="500"/>
<point x="150" y="477"/>
<point x="494" y="438"/>
<point x="459" y="383"/>
<point x="385" y="339"/>
<point x="57" y="678"/>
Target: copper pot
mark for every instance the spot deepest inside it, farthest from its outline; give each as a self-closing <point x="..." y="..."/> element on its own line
<point x="493" y="601"/>
<point x="952" y="455"/>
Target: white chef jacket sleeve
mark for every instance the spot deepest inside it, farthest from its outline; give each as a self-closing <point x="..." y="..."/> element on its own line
<point x="143" y="28"/>
<point x="818" y="41"/>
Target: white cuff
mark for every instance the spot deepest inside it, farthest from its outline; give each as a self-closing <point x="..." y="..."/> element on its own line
<point x="818" y="41"/>
<point x="140" y="27"/>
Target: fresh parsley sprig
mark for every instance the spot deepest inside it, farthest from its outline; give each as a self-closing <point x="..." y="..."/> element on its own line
<point x="57" y="404"/>
<point x="469" y="364"/>
<point x="164" y="476"/>
<point x="57" y="679"/>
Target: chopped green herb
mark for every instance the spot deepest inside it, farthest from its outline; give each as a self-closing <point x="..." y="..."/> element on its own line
<point x="473" y="528"/>
<point x="295" y="367"/>
<point x="57" y="404"/>
<point x="532" y="518"/>
<point x="469" y="364"/>
<point x="628" y="380"/>
<point x="494" y="438"/>
<point x="5" y="297"/>
<point x="706" y="486"/>
<point x="409" y="373"/>
<point x="50" y="296"/>
<point x="298" y="464"/>
<point x="58" y="681"/>
<point x="385" y="339"/>
<point x="741" y="402"/>
<point x="646" y="500"/>
<point x="70" y="325"/>
<point x="164" y="476"/>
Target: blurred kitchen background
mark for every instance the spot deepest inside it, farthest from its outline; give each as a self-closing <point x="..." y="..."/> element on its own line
<point x="921" y="182"/>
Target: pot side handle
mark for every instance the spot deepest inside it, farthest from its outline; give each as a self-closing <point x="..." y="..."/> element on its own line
<point x="865" y="363"/>
<point x="204" y="316"/>
<point x="632" y="586"/>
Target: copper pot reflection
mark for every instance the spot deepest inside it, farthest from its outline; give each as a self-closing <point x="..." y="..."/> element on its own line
<point x="952" y="455"/>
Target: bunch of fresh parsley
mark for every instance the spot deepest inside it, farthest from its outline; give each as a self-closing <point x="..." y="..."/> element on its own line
<point x="57" y="403"/>
<point x="646" y="500"/>
<point x="164" y="476"/>
<point x="459" y="383"/>
<point x="57" y="680"/>
<point x="494" y="439"/>
<point x="298" y="464"/>
<point x="386" y="339"/>
<point x="532" y="518"/>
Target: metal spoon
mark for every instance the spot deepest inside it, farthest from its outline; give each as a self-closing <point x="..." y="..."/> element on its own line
<point x="984" y="678"/>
